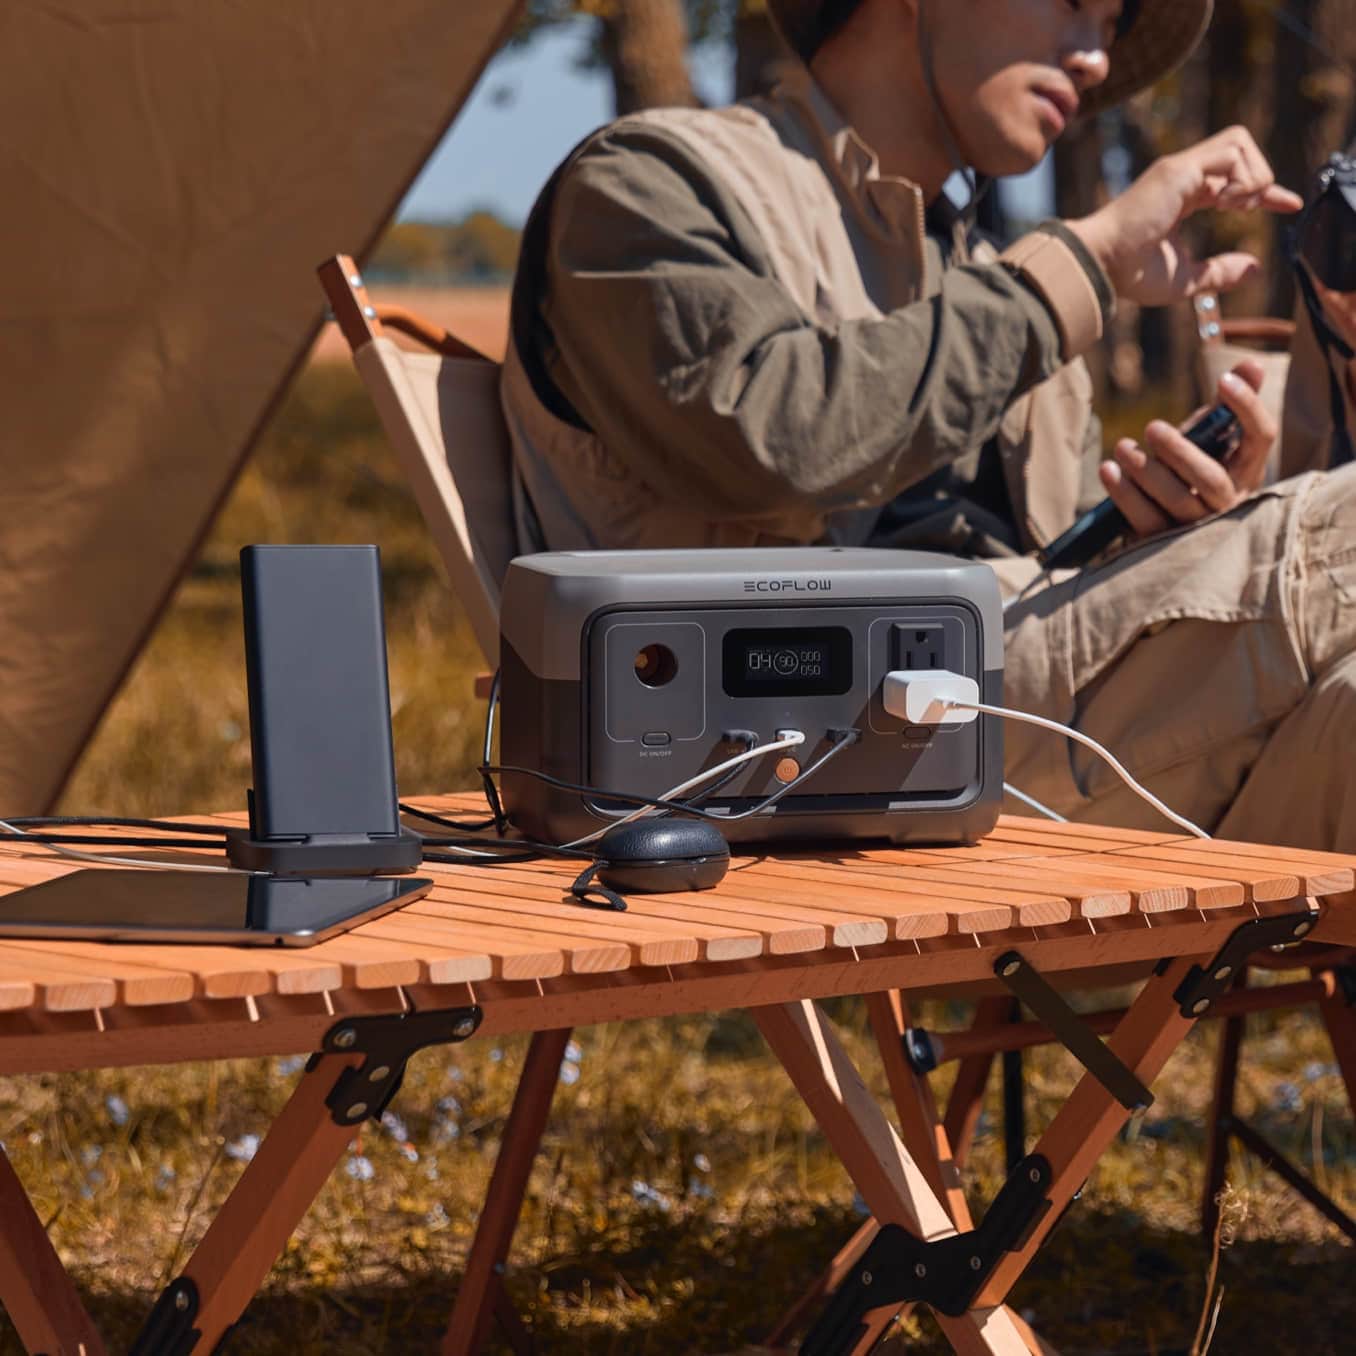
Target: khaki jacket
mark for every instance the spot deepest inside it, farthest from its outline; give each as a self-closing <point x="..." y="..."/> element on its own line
<point x="730" y="329"/>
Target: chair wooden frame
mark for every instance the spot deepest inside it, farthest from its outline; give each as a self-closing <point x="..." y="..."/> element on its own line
<point x="475" y="552"/>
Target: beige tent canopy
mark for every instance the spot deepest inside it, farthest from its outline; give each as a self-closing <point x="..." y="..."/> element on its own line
<point x="173" y="172"/>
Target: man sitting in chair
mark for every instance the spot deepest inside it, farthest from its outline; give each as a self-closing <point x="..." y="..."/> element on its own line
<point x="767" y="325"/>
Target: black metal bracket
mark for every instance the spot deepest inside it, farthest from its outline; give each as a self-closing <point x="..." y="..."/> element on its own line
<point x="947" y="1273"/>
<point x="387" y="1041"/>
<point x="1072" y="1032"/>
<point x="1196" y="994"/>
<point x="920" y="1050"/>
<point x="169" y="1328"/>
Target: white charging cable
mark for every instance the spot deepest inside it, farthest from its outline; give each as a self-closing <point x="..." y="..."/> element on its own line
<point x="102" y="859"/>
<point x="1018" y="794"/>
<point x="788" y="740"/>
<point x="940" y="697"/>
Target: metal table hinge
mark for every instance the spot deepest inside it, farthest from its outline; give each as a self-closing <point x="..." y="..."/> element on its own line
<point x="920" y="1050"/>
<point x="1196" y="994"/>
<point x="169" y="1329"/>
<point x="947" y="1273"/>
<point x="387" y="1042"/>
<point x="1072" y="1032"/>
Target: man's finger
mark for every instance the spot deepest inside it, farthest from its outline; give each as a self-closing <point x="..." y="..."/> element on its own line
<point x="1251" y="371"/>
<point x="1219" y="273"/>
<point x="1142" y="515"/>
<point x="1176" y="469"/>
<point x="1278" y="199"/>
<point x="1240" y="390"/>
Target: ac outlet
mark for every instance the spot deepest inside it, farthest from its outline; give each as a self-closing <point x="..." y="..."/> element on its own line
<point x="918" y="645"/>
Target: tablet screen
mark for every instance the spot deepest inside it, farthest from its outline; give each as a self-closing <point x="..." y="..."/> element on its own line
<point x="136" y="905"/>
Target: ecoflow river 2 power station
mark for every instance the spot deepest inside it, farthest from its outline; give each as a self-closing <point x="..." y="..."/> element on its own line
<point x="632" y="672"/>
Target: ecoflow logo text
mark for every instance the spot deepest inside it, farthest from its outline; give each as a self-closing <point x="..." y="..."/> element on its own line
<point x="788" y="585"/>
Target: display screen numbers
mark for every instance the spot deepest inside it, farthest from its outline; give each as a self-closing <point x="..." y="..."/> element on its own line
<point x="787" y="661"/>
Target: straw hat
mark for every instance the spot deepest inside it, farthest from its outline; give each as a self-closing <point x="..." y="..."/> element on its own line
<point x="1163" y="35"/>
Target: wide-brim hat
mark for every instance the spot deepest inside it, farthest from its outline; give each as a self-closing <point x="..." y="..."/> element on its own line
<point x="1163" y="35"/>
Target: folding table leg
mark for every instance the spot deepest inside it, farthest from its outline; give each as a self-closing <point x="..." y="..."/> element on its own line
<point x="892" y="1184"/>
<point x="919" y="1121"/>
<point x="1089" y="1120"/>
<point x="476" y="1301"/>
<point x="924" y="1134"/>
<point x="925" y="1137"/>
<point x="35" y="1292"/>
<point x="255" y="1221"/>
<point x="972" y="1077"/>
<point x="351" y="1079"/>
<point x="1221" y="1119"/>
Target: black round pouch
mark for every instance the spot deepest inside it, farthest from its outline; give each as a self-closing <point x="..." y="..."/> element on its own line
<point x="656" y="856"/>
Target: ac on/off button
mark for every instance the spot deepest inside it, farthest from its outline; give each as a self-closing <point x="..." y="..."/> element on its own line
<point x="656" y="739"/>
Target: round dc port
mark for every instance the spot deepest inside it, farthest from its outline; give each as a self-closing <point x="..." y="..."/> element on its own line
<point x="656" y="665"/>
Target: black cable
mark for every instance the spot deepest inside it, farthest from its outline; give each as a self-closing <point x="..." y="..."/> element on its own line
<point x="107" y="822"/>
<point x="460" y="825"/>
<point x="498" y="820"/>
<point x="96" y="840"/>
<point x="510" y="852"/>
<point x="842" y="739"/>
<point x="494" y="845"/>
<point x="750" y="742"/>
<point x="501" y="822"/>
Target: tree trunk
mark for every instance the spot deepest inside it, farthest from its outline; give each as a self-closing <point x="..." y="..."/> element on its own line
<point x="1078" y="184"/>
<point x="1078" y="169"/>
<point x="1315" y="105"/>
<point x="759" y="52"/>
<point x="1237" y="46"/>
<point x="644" y="43"/>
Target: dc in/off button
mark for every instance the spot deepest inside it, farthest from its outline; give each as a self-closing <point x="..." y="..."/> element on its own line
<point x="656" y="739"/>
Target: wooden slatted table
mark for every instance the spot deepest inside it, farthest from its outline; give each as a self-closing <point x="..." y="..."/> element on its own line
<point x="499" y="948"/>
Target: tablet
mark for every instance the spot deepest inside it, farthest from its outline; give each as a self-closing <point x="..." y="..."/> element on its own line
<point x="190" y="906"/>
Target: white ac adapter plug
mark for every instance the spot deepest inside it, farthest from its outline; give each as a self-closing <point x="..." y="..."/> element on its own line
<point x="926" y="696"/>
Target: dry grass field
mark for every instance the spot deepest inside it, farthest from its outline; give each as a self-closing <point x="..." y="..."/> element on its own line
<point x="682" y="1197"/>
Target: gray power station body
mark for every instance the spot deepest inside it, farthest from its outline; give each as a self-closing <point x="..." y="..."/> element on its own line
<point x="630" y="671"/>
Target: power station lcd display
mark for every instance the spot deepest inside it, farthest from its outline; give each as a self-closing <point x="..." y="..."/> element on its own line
<point x="787" y="661"/>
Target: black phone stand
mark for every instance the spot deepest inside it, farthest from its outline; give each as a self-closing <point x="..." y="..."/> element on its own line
<point x="325" y="854"/>
<point x="324" y="799"/>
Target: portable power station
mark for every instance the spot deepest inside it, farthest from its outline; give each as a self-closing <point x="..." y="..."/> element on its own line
<point x="632" y="671"/>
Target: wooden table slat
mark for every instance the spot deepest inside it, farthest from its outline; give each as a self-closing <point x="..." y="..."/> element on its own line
<point x="739" y="904"/>
<point x="1032" y="882"/>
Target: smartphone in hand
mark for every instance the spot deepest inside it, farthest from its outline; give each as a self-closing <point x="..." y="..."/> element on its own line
<point x="1217" y="433"/>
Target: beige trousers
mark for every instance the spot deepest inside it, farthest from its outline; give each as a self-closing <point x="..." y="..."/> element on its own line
<point x="1217" y="662"/>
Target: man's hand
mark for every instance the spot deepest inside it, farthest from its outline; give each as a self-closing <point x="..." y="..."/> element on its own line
<point x="1134" y="236"/>
<point x="1170" y="481"/>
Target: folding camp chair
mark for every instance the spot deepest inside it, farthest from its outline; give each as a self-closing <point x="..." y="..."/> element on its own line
<point x="441" y="413"/>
